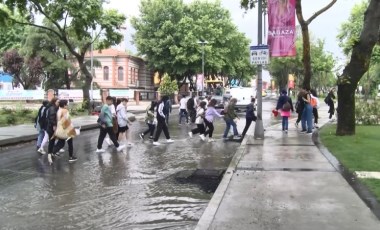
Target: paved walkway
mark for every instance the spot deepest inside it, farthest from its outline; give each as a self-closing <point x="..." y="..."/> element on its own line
<point x="285" y="183"/>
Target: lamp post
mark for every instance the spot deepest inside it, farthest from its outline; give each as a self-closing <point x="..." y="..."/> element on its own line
<point x="259" y="127"/>
<point x="92" y="67"/>
<point x="203" y="43"/>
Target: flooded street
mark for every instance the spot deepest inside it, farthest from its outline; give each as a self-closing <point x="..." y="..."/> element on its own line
<point x="145" y="187"/>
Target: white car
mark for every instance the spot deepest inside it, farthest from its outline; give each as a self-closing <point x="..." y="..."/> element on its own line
<point x="243" y="96"/>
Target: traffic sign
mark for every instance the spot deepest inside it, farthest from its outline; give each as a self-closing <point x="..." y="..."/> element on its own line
<point x="260" y="55"/>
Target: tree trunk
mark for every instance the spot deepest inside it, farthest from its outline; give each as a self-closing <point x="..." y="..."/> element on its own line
<point x="355" y="69"/>
<point x="67" y="79"/>
<point x="306" y="59"/>
<point x="87" y="85"/>
<point x="346" y="110"/>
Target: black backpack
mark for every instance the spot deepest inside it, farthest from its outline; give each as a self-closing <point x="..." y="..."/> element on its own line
<point x="42" y="119"/>
<point x="190" y="103"/>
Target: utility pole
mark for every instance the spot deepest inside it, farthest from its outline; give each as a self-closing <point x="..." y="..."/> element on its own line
<point x="259" y="127"/>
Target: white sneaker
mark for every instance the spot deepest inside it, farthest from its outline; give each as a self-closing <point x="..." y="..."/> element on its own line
<point x="156" y="143"/>
<point x="211" y="140"/>
<point x="41" y="150"/>
<point x="100" y="151"/>
<point x="169" y="141"/>
<point x="50" y="158"/>
<point x="190" y="134"/>
<point x="61" y="150"/>
<point x="202" y="137"/>
<point x="120" y="148"/>
<point x="108" y="141"/>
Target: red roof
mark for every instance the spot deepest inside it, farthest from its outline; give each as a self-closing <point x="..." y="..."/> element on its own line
<point x="108" y="53"/>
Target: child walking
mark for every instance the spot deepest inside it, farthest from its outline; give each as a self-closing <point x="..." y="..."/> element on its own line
<point x="285" y="105"/>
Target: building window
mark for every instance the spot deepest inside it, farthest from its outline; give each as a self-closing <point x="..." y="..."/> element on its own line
<point x="106" y="73"/>
<point x="130" y="76"/>
<point x="120" y="74"/>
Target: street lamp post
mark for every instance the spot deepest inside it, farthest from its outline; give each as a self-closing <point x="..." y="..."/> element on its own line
<point x="259" y="127"/>
<point x="203" y="43"/>
<point x="92" y="67"/>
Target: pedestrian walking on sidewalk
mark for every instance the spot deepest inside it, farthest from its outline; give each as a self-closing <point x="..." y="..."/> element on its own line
<point x="229" y="117"/>
<point x="314" y="98"/>
<point x="300" y="105"/>
<point x="307" y="114"/>
<point x="329" y="100"/>
<point x="65" y="131"/>
<point x="211" y="113"/>
<point x="150" y="121"/>
<point x="106" y="127"/>
<point x="249" y="116"/>
<point x="182" y="110"/>
<point x="52" y="125"/>
<point x="199" y="121"/>
<point x="41" y="125"/>
<point x="285" y="105"/>
<point x="122" y="121"/>
<point x="161" y="122"/>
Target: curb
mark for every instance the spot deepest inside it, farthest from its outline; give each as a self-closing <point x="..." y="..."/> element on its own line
<point x="28" y="138"/>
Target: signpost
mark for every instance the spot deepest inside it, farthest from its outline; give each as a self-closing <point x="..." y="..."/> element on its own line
<point x="260" y="55"/>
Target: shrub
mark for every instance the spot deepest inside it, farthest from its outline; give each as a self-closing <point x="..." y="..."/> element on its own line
<point x="367" y="113"/>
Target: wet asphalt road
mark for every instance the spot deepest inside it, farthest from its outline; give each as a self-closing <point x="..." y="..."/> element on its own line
<point x="144" y="187"/>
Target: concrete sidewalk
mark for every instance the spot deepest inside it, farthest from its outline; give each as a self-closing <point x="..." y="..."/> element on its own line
<point x="285" y="183"/>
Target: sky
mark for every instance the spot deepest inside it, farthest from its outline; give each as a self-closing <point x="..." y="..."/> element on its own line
<point x="326" y="26"/>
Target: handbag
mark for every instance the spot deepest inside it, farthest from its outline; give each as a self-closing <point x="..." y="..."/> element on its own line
<point x="61" y="132"/>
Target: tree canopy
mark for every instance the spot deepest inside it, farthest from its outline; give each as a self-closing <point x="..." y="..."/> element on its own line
<point x="72" y="21"/>
<point x="169" y="32"/>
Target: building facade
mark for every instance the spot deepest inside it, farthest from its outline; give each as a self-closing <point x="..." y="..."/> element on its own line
<point x="119" y="70"/>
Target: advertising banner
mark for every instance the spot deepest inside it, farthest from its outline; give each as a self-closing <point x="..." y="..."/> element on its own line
<point x="76" y="94"/>
<point x="282" y="28"/>
<point x="120" y="93"/>
<point x="21" y="95"/>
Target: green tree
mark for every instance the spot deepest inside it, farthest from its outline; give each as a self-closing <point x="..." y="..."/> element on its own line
<point x="321" y="61"/>
<point x="167" y="86"/>
<point x="359" y="41"/>
<point x="11" y="37"/>
<point x="306" y="51"/>
<point x="72" y="22"/>
<point x="168" y="31"/>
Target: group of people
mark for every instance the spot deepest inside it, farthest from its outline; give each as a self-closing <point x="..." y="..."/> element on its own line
<point x="306" y="107"/>
<point x="55" y="128"/>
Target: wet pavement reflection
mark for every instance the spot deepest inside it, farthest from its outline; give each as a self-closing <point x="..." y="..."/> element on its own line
<point x="144" y="187"/>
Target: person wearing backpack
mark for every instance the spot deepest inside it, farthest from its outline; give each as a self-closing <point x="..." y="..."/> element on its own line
<point x="315" y="104"/>
<point x="149" y="120"/>
<point x="285" y="105"/>
<point x="300" y="105"/>
<point x="229" y="117"/>
<point x="51" y="117"/>
<point x="307" y="114"/>
<point x="191" y="108"/>
<point x="41" y="125"/>
<point x="329" y="100"/>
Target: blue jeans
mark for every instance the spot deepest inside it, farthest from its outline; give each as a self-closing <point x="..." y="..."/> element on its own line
<point x="285" y="123"/>
<point x="41" y="135"/>
<point x="307" y="118"/>
<point x="230" y="122"/>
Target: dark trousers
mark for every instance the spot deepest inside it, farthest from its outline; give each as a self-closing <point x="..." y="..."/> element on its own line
<point x="192" y="115"/>
<point x="210" y="127"/>
<point x="199" y="129"/>
<point x="61" y="143"/>
<point x="299" y="118"/>
<point x="315" y="113"/>
<point x="248" y="122"/>
<point x="151" y="128"/>
<point x="161" y="126"/>
<point x="51" y="140"/>
<point x="102" y="135"/>
<point x="183" y="113"/>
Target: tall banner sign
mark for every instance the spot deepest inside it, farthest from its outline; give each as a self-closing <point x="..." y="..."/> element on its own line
<point x="282" y="28"/>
